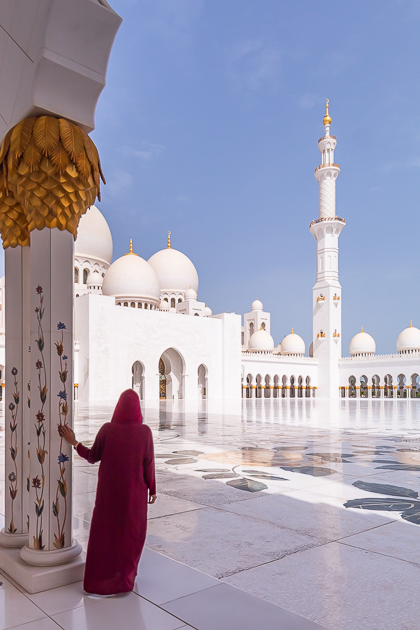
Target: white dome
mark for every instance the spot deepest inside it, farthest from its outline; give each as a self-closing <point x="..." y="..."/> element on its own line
<point x="175" y="271"/>
<point x="293" y="344"/>
<point x="131" y="277"/>
<point x="256" y="305"/>
<point x="164" y="305"/>
<point x="95" y="279"/>
<point x="190" y="294"/>
<point x="277" y="349"/>
<point x="261" y="341"/>
<point x="408" y="339"/>
<point x="94" y="239"/>
<point x="208" y="312"/>
<point x="362" y="343"/>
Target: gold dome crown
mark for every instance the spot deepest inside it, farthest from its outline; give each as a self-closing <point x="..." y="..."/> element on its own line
<point x="327" y="117"/>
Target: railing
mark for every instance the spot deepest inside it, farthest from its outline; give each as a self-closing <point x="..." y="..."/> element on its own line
<point x="279" y="357"/>
<point x="376" y="357"/>
<point x="325" y="137"/>
<point x="327" y="165"/>
<point x="326" y="219"/>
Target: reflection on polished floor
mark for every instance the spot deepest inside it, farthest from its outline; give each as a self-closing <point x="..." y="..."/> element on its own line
<point x="300" y="514"/>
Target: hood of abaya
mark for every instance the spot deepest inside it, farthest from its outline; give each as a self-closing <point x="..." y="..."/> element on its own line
<point x="128" y="408"/>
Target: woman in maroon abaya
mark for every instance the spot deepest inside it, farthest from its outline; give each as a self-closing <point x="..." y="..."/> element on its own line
<point x="126" y="483"/>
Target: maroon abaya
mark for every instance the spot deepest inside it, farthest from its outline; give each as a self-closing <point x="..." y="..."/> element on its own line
<point x="124" y="447"/>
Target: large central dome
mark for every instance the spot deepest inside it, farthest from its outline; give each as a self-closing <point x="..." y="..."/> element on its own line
<point x="94" y="238"/>
<point x="175" y="271"/>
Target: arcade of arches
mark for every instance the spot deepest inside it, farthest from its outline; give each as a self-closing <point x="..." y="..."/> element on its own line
<point x="171" y="377"/>
<point x="400" y="386"/>
<point x="277" y="387"/>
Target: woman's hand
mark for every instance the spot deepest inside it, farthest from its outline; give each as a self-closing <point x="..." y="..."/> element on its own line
<point x="152" y="498"/>
<point x="67" y="433"/>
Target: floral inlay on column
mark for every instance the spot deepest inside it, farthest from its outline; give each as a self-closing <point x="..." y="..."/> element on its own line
<point x="28" y="479"/>
<point x="13" y="476"/>
<point x="39" y="483"/>
<point x="63" y="410"/>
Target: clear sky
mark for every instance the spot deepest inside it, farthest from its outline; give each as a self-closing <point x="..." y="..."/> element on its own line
<point x="208" y="127"/>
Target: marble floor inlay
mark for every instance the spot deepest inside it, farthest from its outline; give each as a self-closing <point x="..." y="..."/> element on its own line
<point x="310" y="505"/>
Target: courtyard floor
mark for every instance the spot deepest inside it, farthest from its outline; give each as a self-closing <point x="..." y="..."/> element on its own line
<point x="295" y="514"/>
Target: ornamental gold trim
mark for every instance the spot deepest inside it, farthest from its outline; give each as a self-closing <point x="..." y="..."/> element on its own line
<point x="49" y="176"/>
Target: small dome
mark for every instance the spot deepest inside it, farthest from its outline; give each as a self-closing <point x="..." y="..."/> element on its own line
<point x="208" y="312"/>
<point x="164" y="306"/>
<point x="175" y="271"/>
<point x="94" y="279"/>
<point x="261" y="341"/>
<point x="409" y="339"/>
<point x="293" y="344"/>
<point x="131" y="277"/>
<point x="277" y="349"/>
<point x="256" y="305"/>
<point x="94" y="239"/>
<point x="190" y="294"/>
<point x="362" y="343"/>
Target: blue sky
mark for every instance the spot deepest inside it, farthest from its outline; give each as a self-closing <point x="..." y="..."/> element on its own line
<point x="208" y="127"/>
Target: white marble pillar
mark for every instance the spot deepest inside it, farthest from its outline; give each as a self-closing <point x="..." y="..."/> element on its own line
<point x="51" y="358"/>
<point x="17" y="270"/>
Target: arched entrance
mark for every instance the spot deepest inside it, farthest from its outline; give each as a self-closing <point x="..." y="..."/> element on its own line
<point x="162" y="380"/>
<point x="202" y="382"/>
<point x="171" y="375"/>
<point x="137" y="381"/>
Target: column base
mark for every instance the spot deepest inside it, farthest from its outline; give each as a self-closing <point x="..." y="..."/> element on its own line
<point x="35" y="579"/>
<point x="51" y="558"/>
<point x="13" y="540"/>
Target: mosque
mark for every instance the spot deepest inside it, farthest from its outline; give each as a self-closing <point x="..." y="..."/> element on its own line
<point x="140" y="324"/>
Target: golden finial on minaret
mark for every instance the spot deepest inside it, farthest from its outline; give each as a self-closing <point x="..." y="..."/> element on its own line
<point x="293" y="332"/>
<point x="169" y="240"/>
<point x="411" y="323"/>
<point x="131" y="246"/>
<point x="362" y="330"/>
<point x="327" y="117"/>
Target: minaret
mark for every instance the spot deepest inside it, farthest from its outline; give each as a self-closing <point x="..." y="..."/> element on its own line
<point x="327" y="290"/>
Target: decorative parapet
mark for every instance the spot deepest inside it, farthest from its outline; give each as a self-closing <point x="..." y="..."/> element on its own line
<point x="326" y="165"/>
<point x="315" y="221"/>
<point x="325" y="137"/>
<point x="277" y="358"/>
<point x="376" y="357"/>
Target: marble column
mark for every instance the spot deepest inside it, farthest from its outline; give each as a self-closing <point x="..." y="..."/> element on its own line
<point x="51" y="359"/>
<point x="17" y="269"/>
